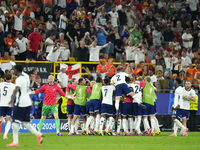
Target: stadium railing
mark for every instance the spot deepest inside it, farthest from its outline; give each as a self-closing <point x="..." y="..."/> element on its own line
<point x="54" y="73"/>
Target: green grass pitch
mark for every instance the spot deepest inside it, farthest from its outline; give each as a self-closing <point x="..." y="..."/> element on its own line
<point x="27" y="141"/>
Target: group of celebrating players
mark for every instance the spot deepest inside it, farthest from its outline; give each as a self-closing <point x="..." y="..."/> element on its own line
<point x="133" y="103"/>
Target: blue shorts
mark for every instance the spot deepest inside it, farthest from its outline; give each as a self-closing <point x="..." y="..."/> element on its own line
<point x="149" y="110"/>
<point x="176" y="113"/>
<point x="95" y="105"/>
<point x="78" y="109"/>
<point x="88" y="108"/>
<point x="137" y="110"/>
<point x="122" y="87"/>
<point x="70" y="109"/>
<point x="155" y="107"/>
<point x="107" y="109"/>
<point x="184" y="113"/>
<point x="5" y="111"/>
<point x="21" y="114"/>
<point x="127" y="109"/>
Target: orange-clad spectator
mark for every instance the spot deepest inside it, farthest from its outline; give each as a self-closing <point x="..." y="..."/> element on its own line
<point x="111" y="67"/>
<point x="147" y="60"/>
<point x="34" y="5"/>
<point x="5" y="57"/>
<point x="9" y="41"/>
<point x="197" y="53"/>
<point x="189" y="75"/>
<point x="133" y="70"/>
<point x="36" y="23"/>
<point x="23" y="4"/>
<point x="176" y="34"/>
<point x="102" y="66"/>
<point x="141" y="68"/>
<point x="196" y="69"/>
<point x="28" y="20"/>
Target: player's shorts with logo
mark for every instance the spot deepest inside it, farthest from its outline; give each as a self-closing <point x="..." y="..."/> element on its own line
<point x="21" y="114"/>
<point x="107" y="109"/>
<point x="47" y="108"/>
<point x="5" y="111"/>
<point x="70" y="109"/>
<point x="137" y="110"/>
<point x="184" y="113"/>
<point x="95" y="105"/>
<point x="126" y="109"/>
<point x="78" y="109"/>
<point x="120" y="88"/>
<point x="176" y="113"/>
<point x="149" y="110"/>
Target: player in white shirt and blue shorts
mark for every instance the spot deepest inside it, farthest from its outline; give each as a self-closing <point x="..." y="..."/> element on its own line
<point x="107" y="108"/>
<point x="22" y="106"/>
<point x="119" y="80"/>
<point x="188" y="95"/>
<point x="137" y="109"/>
<point x="6" y="89"/>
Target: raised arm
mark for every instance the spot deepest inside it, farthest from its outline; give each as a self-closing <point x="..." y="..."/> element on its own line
<point x="89" y="73"/>
<point x="25" y="8"/>
<point x="92" y="44"/>
<point x="104" y="46"/>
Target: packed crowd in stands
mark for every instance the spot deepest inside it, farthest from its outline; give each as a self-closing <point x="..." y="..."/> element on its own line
<point x="159" y="38"/>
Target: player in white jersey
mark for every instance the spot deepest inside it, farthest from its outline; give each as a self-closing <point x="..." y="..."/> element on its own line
<point x="22" y="106"/>
<point x="6" y="89"/>
<point x="107" y="110"/>
<point x="175" y="108"/>
<point x="137" y="109"/>
<point x="187" y="96"/>
<point x="119" y="80"/>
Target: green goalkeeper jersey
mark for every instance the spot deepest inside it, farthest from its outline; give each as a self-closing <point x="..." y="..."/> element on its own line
<point x="149" y="94"/>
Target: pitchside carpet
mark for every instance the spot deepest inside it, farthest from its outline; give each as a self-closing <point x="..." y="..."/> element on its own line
<point x="27" y="141"/>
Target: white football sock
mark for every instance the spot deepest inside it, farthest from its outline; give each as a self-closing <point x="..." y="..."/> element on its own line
<point x="72" y="128"/>
<point x="76" y="124"/>
<point x="119" y="125"/>
<point x="125" y="125"/>
<point x="157" y="124"/>
<point x="97" y="122"/>
<point x="29" y="127"/>
<point x="153" y="125"/>
<point x="179" y="124"/>
<point x="92" y="124"/>
<point x="130" y="120"/>
<point x="15" y="132"/>
<point x="175" y="128"/>
<point x="111" y="123"/>
<point x="89" y="120"/>
<point x="69" y="123"/>
<point x="101" y="123"/>
<point x="7" y="128"/>
<point x="137" y="127"/>
<point x="146" y="123"/>
<point x="134" y="123"/>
